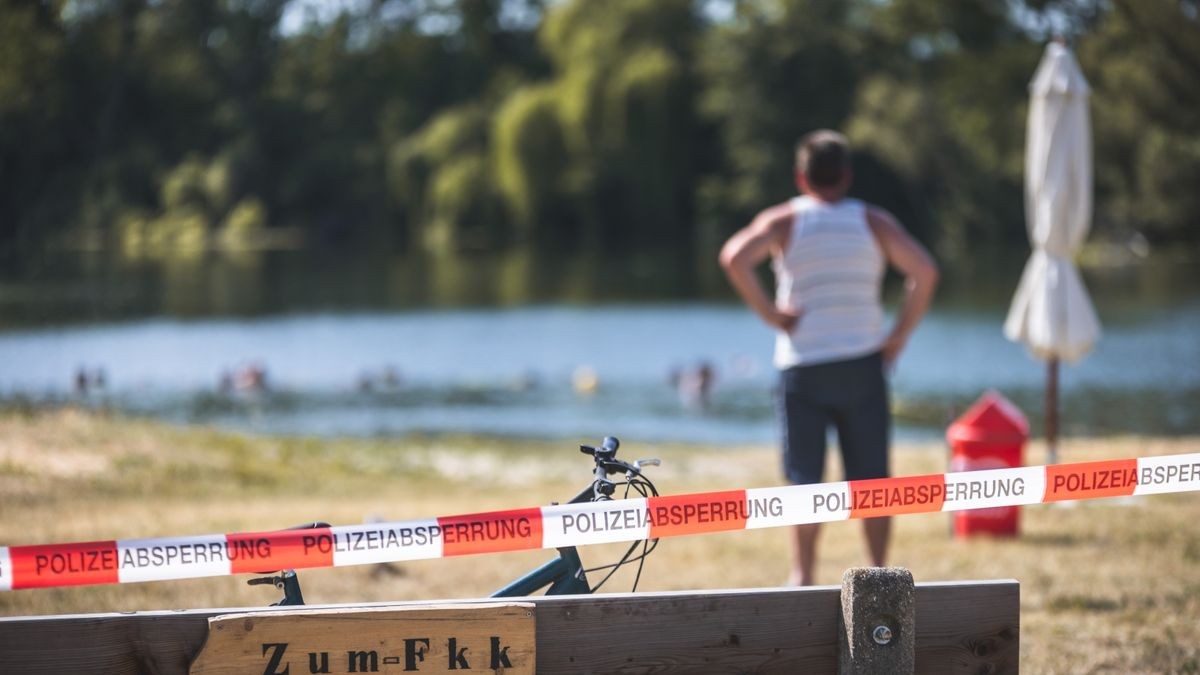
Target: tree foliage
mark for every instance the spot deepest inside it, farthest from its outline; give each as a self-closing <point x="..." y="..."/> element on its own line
<point x="170" y="127"/>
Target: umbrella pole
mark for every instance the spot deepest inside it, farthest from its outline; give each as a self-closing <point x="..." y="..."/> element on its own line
<point x="1052" y="410"/>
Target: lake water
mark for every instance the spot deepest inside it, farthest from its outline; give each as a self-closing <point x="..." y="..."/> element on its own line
<point x="510" y="370"/>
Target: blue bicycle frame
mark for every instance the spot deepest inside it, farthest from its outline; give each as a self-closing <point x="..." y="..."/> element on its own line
<point x="564" y="575"/>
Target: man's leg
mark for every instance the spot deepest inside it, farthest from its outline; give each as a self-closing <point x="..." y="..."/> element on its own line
<point x="804" y="426"/>
<point x="878" y="532"/>
<point x="804" y="554"/>
<point x="864" y="426"/>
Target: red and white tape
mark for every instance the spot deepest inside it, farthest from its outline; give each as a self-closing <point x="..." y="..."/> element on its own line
<point x="130" y="560"/>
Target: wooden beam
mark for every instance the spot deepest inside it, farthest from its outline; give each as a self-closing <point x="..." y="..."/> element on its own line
<point x="965" y="627"/>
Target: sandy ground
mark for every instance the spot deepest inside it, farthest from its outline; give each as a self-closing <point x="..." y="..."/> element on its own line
<point x="1107" y="586"/>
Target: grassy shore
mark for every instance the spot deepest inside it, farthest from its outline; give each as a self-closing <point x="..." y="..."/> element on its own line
<point x="1106" y="586"/>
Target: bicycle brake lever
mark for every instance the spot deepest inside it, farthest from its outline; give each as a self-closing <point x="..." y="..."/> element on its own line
<point x="612" y="466"/>
<point x="649" y="461"/>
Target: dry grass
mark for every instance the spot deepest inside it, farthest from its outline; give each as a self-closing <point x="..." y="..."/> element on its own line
<point x="1110" y="586"/>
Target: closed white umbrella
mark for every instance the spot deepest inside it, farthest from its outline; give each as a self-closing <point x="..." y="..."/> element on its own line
<point x="1051" y="312"/>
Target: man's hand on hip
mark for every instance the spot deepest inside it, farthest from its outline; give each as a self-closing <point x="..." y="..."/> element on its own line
<point x="784" y="320"/>
<point x="891" y="349"/>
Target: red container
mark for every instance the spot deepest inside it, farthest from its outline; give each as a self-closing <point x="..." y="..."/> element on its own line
<point x="990" y="435"/>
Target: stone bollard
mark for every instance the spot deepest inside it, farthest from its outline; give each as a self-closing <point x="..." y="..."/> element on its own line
<point x="877" y="632"/>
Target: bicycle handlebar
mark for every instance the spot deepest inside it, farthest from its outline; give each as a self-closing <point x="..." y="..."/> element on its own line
<point x="602" y="489"/>
<point x="607" y="464"/>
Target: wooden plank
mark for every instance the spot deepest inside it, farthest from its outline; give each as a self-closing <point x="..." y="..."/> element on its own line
<point x="760" y="631"/>
<point x="136" y="643"/>
<point x="968" y="627"/>
<point x="428" y="638"/>
<point x="961" y="628"/>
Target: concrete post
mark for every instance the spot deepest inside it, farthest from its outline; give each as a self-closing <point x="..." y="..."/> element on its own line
<point x="878" y="621"/>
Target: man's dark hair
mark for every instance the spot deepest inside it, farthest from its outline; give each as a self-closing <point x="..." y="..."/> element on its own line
<point x="824" y="157"/>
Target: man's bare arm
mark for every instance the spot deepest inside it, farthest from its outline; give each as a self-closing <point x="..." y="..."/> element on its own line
<point x="920" y="272"/>
<point x="746" y="250"/>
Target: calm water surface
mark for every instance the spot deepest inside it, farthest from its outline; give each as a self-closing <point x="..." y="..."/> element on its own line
<point x="511" y="371"/>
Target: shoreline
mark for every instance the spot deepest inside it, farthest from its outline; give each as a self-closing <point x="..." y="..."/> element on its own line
<point x="908" y="433"/>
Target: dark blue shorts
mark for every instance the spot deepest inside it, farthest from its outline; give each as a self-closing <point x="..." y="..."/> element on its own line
<point x="852" y="395"/>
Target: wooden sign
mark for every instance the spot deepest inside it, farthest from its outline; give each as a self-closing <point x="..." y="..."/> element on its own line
<point x="482" y="637"/>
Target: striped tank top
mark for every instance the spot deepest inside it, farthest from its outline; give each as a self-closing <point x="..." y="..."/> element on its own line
<point x="831" y="272"/>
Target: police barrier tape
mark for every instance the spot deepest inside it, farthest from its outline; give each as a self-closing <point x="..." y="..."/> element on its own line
<point x="129" y="560"/>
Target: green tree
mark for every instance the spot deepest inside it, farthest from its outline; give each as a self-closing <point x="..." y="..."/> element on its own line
<point x="625" y="90"/>
<point x="1143" y="61"/>
<point x="443" y="181"/>
<point x="775" y="72"/>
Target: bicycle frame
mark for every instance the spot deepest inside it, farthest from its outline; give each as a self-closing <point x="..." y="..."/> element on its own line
<point x="563" y="574"/>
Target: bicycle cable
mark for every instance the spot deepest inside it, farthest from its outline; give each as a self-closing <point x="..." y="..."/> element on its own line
<point x="646" y="489"/>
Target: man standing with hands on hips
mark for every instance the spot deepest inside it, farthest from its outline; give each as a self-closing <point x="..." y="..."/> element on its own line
<point x="829" y="254"/>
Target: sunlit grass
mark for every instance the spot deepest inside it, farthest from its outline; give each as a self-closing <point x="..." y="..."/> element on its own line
<point x="1106" y="586"/>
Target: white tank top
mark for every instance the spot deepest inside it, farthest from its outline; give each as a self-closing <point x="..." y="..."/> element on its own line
<point x="831" y="272"/>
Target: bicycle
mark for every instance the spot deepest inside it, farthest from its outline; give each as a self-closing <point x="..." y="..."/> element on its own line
<point x="564" y="574"/>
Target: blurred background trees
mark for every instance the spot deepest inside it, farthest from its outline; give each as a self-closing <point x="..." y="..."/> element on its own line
<point x="171" y="127"/>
